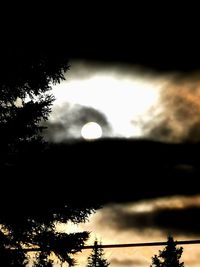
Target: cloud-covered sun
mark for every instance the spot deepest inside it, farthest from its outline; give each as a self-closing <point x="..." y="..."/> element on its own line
<point x="126" y="98"/>
<point x="91" y="130"/>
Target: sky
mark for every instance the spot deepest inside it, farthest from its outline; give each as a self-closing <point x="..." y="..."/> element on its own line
<point x="152" y="120"/>
<point x="126" y="101"/>
<point x="135" y="72"/>
<point x="143" y="221"/>
<point x="119" y="98"/>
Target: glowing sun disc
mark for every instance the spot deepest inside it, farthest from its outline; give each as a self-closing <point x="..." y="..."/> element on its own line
<point x="91" y="130"/>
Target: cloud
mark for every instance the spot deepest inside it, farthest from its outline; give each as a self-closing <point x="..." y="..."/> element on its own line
<point x="68" y="119"/>
<point x="85" y="69"/>
<point x="161" y="53"/>
<point x="126" y="262"/>
<point x="179" y="118"/>
<point x="159" y="106"/>
<point x="173" y="218"/>
<point x="120" y="169"/>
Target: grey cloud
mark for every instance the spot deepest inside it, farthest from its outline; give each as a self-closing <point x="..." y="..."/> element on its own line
<point x="69" y="119"/>
<point x="82" y="69"/>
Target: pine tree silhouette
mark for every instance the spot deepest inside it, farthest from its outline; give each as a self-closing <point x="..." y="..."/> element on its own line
<point x="96" y="258"/>
<point x="169" y="257"/>
<point x="29" y="209"/>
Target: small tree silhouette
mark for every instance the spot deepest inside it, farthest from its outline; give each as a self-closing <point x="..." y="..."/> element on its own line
<point x="169" y="257"/>
<point x="96" y="258"/>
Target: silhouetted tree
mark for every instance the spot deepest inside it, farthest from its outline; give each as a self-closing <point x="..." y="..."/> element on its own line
<point x="96" y="258"/>
<point x="27" y="218"/>
<point x="40" y="232"/>
<point x="169" y="257"/>
<point x="27" y="74"/>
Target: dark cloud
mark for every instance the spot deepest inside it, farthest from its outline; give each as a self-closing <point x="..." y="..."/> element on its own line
<point x="126" y="262"/>
<point x="108" y="170"/>
<point x="122" y="35"/>
<point x="179" y="119"/>
<point x="170" y="220"/>
<point x="172" y="44"/>
<point x="162" y="130"/>
<point x="121" y="170"/>
<point x="69" y="121"/>
<point x="193" y="133"/>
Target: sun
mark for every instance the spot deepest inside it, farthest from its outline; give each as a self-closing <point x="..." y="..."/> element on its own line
<point x="128" y="99"/>
<point x="91" y="130"/>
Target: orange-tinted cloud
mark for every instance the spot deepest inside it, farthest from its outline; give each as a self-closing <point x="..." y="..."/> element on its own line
<point x="178" y="119"/>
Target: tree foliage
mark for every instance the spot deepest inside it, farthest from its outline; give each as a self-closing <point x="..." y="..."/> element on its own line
<point x="29" y="212"/>
<point x="169" y="257"/>
<point x="97" y="258"/>
<point x="27" y="73"/>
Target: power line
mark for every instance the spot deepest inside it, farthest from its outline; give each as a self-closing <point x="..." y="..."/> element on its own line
<point x="146" y="244"/>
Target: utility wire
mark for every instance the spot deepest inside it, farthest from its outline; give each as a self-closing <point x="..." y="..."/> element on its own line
<point x="146" y="244"/>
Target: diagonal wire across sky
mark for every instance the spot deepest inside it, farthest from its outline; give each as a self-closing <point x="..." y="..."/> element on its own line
<point x="145" y="244"/>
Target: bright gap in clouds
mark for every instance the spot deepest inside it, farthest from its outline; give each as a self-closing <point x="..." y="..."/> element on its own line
<point x="127" y="98"/>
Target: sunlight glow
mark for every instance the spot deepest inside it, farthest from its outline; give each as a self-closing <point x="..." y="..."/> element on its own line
<point x="91" y="130"/>
<point x="127" y="101"/>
